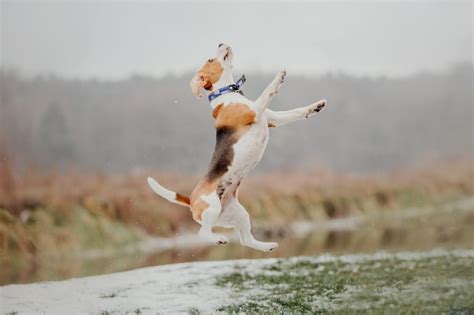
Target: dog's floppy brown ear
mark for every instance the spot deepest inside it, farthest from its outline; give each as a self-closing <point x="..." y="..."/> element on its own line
<point x="199" y="81"/>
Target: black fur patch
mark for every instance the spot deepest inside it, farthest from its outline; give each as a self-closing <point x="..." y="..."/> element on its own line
<point x="223" y="152"/>
<point x="221" y="188"/>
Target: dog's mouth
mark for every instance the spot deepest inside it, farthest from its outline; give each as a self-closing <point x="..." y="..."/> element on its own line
<point x="224" y="52"/>
<point x="228" y="54"/>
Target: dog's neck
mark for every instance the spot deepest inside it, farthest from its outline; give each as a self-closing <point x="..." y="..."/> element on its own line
<point x="227" y="78"/>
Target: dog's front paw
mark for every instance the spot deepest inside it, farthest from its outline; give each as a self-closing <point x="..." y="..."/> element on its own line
<point x="320" y="105"/>
<point x="315" y="108"/>
<point x="281" y="76"/>
<point x="278" y="82"/>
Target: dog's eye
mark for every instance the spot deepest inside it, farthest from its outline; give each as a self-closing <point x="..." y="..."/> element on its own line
<point x="210" y="60"/>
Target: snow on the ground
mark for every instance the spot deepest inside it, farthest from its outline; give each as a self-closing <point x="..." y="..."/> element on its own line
<point x="168" y="289"/>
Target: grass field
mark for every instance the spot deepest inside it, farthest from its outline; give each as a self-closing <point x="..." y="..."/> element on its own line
<point x="430" y="282"/>
<point x="380" y="284"/>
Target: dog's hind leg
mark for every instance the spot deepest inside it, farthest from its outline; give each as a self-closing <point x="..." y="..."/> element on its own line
<point x="271" y="90"/>
<point x="208" y="219"/>
<point x="236" y="215"/>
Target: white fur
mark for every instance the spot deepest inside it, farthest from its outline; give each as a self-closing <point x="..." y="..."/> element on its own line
<point x="236" y="216"/>
<point x="227" y="211"/>
<point x="163" y="192"/>
<point x="209" y="219"/>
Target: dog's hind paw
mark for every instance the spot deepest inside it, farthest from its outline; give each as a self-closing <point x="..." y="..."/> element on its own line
<point x="272" y="247"/>
<point x="266" y="246"/>
<point x="222" y="240"/>
<point x="219" y="239"/>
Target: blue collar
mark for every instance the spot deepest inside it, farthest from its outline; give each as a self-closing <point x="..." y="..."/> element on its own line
<point x="227" y="89"/>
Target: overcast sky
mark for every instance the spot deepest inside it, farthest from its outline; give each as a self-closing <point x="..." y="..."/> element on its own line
<point x="112" y="39"/>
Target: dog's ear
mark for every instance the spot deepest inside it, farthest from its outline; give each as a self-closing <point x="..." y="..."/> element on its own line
<point x="200" y="80"/>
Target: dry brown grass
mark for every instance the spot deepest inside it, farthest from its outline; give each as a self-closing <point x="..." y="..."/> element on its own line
<point x="124" y="198"/>
<point x="53" y="211"/>
<point x="320" y="194"/>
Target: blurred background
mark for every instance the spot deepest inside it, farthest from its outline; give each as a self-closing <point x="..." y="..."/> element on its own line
<point x="95" y="98"/>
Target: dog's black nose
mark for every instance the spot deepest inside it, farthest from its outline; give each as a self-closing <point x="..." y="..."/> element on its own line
<point x="221" y="44"/>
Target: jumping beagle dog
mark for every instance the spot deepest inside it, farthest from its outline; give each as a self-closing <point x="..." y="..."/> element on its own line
<point x="241" y="137"/>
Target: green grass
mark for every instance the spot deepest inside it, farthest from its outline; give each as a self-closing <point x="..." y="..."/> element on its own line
<point x="396" y="286"/>
<point x="193" y="311"/>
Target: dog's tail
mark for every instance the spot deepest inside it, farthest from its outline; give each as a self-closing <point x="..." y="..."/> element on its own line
<point x="168" y="194"/>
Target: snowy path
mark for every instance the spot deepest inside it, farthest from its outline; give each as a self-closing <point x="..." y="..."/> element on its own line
<point x="169" y="289"/>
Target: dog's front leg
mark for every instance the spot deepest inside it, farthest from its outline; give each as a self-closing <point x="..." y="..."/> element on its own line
<point x="270" y="91"/>
<point x="280" y="118"/>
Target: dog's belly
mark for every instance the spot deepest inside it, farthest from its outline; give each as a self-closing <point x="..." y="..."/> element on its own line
<point x="248" y="151"/>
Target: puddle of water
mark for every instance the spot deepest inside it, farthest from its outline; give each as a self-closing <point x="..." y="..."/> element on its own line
<point x="411" y="229"/>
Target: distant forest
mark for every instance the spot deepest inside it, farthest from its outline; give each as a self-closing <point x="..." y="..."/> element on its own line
<point x="369" y="124"/>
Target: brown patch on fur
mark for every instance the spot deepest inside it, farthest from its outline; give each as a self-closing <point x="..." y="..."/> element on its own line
<point x="217" y="110"/>
<point x="235" y="116"/>
<point x="209" y="74"/>
<point x="182" y="198"/>
<point x="270" y="125"/>
<point x="207" y="85"/>
<point x="198" y="208"/>
<point x="212" y="71"/>
<point x="205" y="187"/>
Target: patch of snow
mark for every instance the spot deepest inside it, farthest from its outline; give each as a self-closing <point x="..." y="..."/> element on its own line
<point x="169" y="289"/>
<point x="166" y="289"/>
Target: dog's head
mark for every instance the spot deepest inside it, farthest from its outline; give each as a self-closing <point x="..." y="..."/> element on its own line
<point x="213" y="70"/>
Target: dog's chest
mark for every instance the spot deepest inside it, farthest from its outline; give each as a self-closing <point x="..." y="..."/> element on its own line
<point x="250" y="134"/>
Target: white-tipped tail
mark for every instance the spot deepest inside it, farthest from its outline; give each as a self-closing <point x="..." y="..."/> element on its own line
<point x="168" y="194"/>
